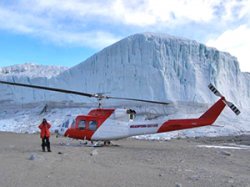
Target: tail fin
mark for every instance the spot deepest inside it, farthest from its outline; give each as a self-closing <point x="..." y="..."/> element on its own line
<point x="214" y="111"/>
<point x="231" y="105"/>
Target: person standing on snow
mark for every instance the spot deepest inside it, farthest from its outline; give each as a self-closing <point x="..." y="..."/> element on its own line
<point x="45" y="134"/>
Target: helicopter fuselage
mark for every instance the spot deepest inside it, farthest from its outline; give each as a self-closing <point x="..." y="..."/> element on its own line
<point x="112" y="124"/>
<point x="109" y="124"/>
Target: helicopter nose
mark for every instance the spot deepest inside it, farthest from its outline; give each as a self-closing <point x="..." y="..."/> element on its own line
<point x="57" y="133"/>
<point x="60" y="131"/>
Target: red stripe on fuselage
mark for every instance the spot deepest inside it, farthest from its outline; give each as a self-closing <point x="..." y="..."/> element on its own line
<point x="208" y="118"/>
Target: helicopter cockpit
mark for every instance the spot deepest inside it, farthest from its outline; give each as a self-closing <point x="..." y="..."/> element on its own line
<point x="69" y="123"/>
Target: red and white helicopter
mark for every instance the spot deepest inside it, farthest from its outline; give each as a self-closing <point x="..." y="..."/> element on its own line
<point x="106" y="124"/>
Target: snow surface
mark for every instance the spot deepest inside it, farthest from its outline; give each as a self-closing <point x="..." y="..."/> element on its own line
<point x="236" y="147"/>
<point x="144" y="66"/>
<point x="31" y="70"/>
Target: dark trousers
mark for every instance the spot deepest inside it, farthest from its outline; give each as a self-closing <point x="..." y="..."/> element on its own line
<point x="45" y="142"/>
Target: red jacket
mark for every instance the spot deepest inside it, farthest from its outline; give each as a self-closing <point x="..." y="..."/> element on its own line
<point x="44" y="127"/>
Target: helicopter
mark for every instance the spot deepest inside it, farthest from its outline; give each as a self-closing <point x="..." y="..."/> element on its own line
<point x="107" y="124"/>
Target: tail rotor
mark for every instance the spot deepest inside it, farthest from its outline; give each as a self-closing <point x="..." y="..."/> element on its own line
<point x="214" y="90"/>
<point x="233" y="107"/>
<point x="229" y="104"/>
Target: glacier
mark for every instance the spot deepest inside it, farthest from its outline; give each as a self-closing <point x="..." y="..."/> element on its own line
<point x="145" y="66"/>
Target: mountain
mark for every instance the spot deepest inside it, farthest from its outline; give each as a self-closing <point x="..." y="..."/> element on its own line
<point x="146" y="66"/>
<point x="31" y="70"/>
<point x="160" y="67"/>
<point x="28" y="72"/>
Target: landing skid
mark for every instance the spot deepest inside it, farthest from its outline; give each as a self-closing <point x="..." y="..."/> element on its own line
<point x="94" y="144"/>
<point x="100" y="144"/>
<point x="86" y="143"/>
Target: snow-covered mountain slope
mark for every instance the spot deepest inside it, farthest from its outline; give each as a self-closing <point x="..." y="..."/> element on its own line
<point x="149" y="66"/>
<point x="31" y="70"/>
<point x="28" y="72"/>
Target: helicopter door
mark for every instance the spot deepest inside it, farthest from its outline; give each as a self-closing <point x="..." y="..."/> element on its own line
<point x="86" y="129"/>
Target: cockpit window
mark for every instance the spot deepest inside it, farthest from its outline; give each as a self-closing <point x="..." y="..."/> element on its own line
<point x="73" y="124"/>
<point x="66" y="124"/>
<point x="92" y="125"/>
<point x="82" y="125"/>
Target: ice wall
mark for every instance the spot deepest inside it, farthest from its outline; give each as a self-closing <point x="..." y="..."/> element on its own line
<point x="160" y="67"/>
<point x="149" y="66"/>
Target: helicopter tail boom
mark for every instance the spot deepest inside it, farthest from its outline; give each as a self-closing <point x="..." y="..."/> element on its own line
<point x="208" y="118"/>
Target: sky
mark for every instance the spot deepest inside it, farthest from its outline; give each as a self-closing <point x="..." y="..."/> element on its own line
<point x="65" y="33"/>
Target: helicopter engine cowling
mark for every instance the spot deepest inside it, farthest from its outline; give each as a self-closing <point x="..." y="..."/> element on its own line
<point x="122" y="114"/>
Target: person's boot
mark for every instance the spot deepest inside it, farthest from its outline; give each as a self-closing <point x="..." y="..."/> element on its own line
<point x="48" y="147"/>
<point x="43" y="148"/>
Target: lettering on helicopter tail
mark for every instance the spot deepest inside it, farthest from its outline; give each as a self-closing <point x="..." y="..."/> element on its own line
<point x="144" y="126"/>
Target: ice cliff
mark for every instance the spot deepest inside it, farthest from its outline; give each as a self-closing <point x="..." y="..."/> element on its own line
<point x="160" y="67"/>
<point x="148" y="66"/>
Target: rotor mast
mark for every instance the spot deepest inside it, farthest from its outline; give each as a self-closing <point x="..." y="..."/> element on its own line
<point x="99" y="97"/>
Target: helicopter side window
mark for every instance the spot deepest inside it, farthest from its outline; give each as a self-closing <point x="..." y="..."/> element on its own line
<point x="82" y="125"/>
<point x="92" y="125"/>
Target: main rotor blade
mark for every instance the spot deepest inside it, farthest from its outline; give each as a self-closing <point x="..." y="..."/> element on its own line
<point x="47" y="88"/>
<point x="141" y="100"/>
<point x="98" y="96"/>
